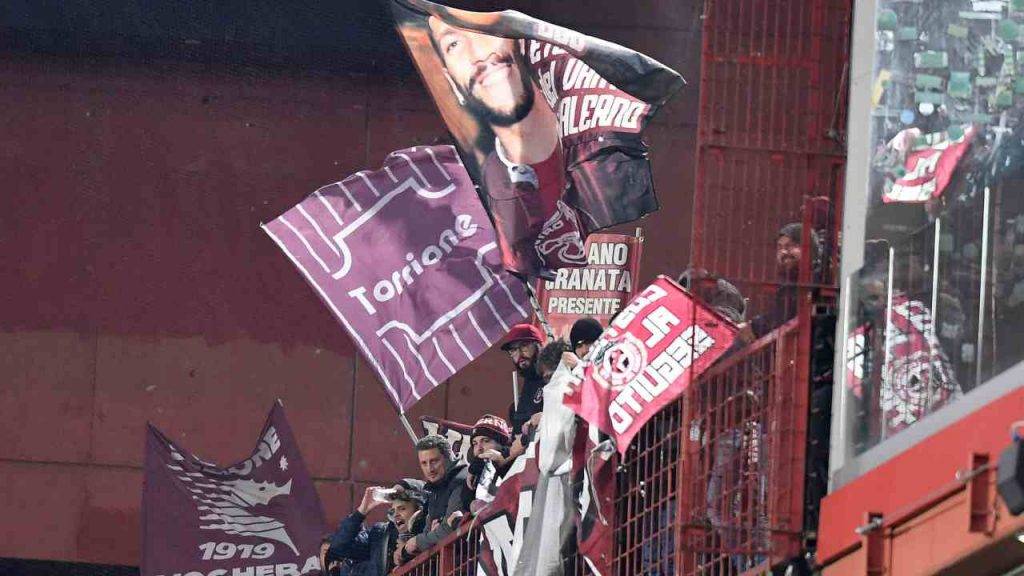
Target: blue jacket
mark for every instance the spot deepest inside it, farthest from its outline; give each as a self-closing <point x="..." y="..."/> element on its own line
<point x="363" y="551"/>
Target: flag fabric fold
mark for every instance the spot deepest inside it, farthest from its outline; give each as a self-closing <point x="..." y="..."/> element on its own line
<point x="262" y="514"/>
<point x="406" y="259"/>
<point x="655" y="347"/>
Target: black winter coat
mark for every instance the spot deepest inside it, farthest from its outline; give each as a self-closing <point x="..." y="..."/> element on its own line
<point x="445" y="496"/>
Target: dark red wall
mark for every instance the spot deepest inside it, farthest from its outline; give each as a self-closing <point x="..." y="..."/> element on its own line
<point x="137" y="285"/>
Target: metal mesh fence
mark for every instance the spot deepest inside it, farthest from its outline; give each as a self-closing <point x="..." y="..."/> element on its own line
<point x="712" y="485"/>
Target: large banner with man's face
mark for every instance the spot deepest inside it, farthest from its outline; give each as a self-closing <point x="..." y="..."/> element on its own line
<point x="260" y="516"/>
<point x="548" y="120"/>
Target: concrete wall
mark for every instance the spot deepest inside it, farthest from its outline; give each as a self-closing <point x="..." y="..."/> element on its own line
<point x="137" y="285"/>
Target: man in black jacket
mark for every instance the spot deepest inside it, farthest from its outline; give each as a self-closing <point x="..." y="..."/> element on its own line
<point x="369" y="551"/>
<point x="522" y="344"/>
<point x="447" y="492"/>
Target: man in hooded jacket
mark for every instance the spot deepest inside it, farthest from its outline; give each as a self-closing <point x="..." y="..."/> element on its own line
<point x="369" y="551"/>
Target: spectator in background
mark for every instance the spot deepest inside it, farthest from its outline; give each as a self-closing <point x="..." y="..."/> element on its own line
<point x="583" y="334"/>
<point x="723" y="297"/>
<point x="522" y="344"/>
<point x="788" y="257"/>
<point x="447" y="492"/>
<point x="369" y="551"/>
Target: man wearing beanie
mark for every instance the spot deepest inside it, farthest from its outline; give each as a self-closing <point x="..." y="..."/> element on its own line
<point x="491" y="441"/>
<point x="522" y="344"/>
<point x="583" y="334"/>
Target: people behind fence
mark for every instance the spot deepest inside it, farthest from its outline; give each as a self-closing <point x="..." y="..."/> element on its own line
<point x="359" y="550"/>
<point x="490" y="456"/>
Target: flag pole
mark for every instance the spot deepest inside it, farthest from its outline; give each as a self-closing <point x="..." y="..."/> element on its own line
<point x="515" y="390"/>
<point x="408" y="428"/>
<point x="536" y="310"/>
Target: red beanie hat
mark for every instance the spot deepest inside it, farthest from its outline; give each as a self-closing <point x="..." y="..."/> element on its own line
<point x="493" y="427"/>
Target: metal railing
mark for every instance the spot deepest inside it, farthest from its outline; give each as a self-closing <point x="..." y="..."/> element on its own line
<point x="713" y="484"/>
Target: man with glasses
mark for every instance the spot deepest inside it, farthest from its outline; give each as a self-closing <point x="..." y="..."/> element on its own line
<point x="523" y="344"/>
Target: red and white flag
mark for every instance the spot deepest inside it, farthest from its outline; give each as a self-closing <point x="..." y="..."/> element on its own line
<point x="930" y="162"/>
<point x="648" y="356"/>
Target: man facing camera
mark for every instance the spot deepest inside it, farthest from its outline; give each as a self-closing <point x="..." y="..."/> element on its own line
<point x="370" y="551"/>
<point x="447" y="492"/>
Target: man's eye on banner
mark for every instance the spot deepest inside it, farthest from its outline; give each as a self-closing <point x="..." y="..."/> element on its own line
<point x="549" y="123"/>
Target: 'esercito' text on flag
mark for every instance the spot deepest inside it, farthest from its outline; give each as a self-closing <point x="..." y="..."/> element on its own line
<point x="656" y="346"/>
<point x="406" y="259"/>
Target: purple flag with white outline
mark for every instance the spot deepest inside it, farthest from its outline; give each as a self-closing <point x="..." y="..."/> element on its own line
<point x="260" y="516"/>
<point x="407" y="260"/>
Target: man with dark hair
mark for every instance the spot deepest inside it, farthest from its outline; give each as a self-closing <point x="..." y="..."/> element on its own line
<point x="522" y="344"/>
<point x="789" y="251"/>
<point x="583" y="334"/>
<point x="550" y="357"/>
<point x="370" y="551"/>
<point x="524" y="176"/>
<point x="789" y="254"/>
<point x="447" y="493"/>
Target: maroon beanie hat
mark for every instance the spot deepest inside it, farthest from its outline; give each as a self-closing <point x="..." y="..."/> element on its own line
<point x="493" y="427"/>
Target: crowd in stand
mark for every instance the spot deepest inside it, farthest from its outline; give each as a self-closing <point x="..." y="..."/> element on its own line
<point x="423" y="512"/>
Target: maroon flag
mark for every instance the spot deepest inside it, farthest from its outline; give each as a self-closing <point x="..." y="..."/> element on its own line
<point x="260" y="516"/>
<point x="549" y="120"/>
<point x="407" y="261"/>
<point x="503" y="521"/>
<point x="648" y="356"/>
<point x="593" y="473"/>
<point x="460" y="436"/>
<point x="597" y="291"/>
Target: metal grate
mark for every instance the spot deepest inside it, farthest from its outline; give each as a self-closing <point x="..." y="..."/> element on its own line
<point x="713" y="484"/>
<point x="770" y="132"/>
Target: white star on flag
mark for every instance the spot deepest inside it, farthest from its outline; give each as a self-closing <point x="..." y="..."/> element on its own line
<point x="284" y="464"/>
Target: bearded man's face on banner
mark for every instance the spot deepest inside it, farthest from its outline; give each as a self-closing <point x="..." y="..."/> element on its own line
<point x="486" y="72"/>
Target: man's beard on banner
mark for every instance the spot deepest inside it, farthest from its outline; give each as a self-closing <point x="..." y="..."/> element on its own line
<point x="520" y="110"/>
<point x="595" y="99"/>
